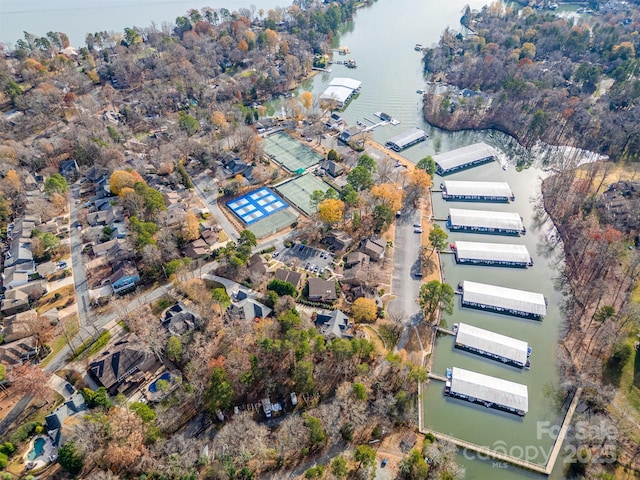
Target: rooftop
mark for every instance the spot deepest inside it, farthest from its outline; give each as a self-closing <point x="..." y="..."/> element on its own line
<point x="478" y="189"/>
<point x="485" y="219"/>
<point x="502" y="297"/>
<point x="490" y="389"/>
<point x="461" y="157"/>
<point x="407" y="138"/>
<point x="492" y="343"/>
<point x="492" y="252"/>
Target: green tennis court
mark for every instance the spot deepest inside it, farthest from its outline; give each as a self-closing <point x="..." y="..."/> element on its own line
<point x="298" y="191"/>
<point x="290" y="153"/>
<point x="274" y="223"/>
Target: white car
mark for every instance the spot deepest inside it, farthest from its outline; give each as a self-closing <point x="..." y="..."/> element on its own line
<point x="417" y="230"/>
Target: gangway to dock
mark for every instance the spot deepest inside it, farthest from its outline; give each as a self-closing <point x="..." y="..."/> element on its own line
<point x="444" y="330"/>
<point x="435" y="376"/>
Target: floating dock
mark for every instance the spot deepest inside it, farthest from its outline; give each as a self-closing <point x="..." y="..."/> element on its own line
<point x="406" y="139"/>
<point x="482" y="221"/>
<point x="492" y="345"/>
<point x="503" y="300"/>
<point x="489" y="391"/>
<point x="493" y="254"/>
<point x="477" y="191"/>
<point x="387" y="118"/>
<point x="464" y="157"/>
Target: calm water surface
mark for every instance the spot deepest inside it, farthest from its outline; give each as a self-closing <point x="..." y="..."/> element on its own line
<point x="382" y="41"/>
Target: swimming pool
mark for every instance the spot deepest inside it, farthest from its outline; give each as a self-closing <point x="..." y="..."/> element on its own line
<point x="38" y="447"/>
<point x="165" y="376"/>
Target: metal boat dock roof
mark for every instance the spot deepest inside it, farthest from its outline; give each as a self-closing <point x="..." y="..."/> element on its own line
<point x="492" y="343"/>
<point x="477" y="190"/>
<point x="502" y="298"/>
<point x="406" y="139"/>
<point x="490" y="389"/>
<point x="485" y="220"/>
<point x="492" y="253"/>
<point x="340" y="90"/>
<point x="464" y="157"/>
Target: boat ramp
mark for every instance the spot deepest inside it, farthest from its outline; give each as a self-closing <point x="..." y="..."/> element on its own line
<point x="492" y="254"/>
<point x="464" y="157"/>
<point x="492" y="345"/>
<point x="503" y="300"/>
<point x="477" y="191"/>
<point x="492" y="392"/>
<point x="482" y="221"/>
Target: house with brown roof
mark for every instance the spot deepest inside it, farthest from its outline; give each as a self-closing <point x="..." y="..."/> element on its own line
<point x="123" y="370"/>
<point x="338" y="240"/>
<point x="356" y="269"/>
<point x="196" y="249"/>
<point x="294" y="278"/>
<point x="321" y="290"/>
<point x="18" y="326"/>
<point x="374" y="247"/>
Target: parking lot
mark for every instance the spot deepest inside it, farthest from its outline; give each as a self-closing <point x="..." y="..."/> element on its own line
<point x="309" y="258"/>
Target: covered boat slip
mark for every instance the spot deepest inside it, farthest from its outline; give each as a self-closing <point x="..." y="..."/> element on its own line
<point x="503" y="300"/>
<point x="477" y="191"/>
<point x="406" y="139"/>
<point x="498" y="254"/>
<point x="484" y="221"/>
<point x="490" y="391"/>
<point x="492" y="345"/>
<point x="464" y="157"/>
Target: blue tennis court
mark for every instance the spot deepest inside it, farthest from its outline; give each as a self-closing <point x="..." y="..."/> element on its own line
<point x="256" y="205"/>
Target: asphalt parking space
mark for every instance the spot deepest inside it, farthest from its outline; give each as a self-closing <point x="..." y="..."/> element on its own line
<point x="303" y="256"/>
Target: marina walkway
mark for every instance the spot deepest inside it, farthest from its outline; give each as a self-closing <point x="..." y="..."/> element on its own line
<point x="447" y="331"/>
<point x="435" y="376"/>
<point x="518" y="462"/>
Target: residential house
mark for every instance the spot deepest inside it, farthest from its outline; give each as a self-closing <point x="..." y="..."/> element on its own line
<point x="178" y="320"/>
<point x="349" y="134"/>
<point x="294" y="278"/>
<point x="174" y="215"/>
<point x="334" y="324"/>
<point x="247" y="308"/>
<point x="338" y="240"/>
<point x="332" y="168"/>
<point x="123" y="370"/>
<point x="356" y="271"/>
<point x="196" y="249"/>
<point x="210" y="237"/>
<point x="14" y="301"/>
<point x="124" y="278"/>
<point x="103" y="248"/>
<point x="69" y="170"/>
<point x="18" y="326"/>
<point x="374" y="247"/>
<point x="60" y="420"/>
<point x="113" y="214"/>
<point x="257" y="265"/>
<point x="170" y="197"/>
<point x="322" y="290"/>
<point x="18" y="352"/>
<point x="12" y="277"/>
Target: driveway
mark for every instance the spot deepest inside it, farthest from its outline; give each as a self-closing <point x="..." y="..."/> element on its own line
<point x="207" y="190"/>
<point x="405" y="284"/>
<point x="79" y="274"/>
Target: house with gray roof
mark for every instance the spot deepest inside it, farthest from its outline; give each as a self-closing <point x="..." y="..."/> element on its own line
<point x="322" y="290"/>
<point x="57" y="420"/>
<point x="334" y="324"/>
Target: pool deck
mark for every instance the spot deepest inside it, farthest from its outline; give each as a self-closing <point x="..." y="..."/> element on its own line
<point x="49" y="454"/>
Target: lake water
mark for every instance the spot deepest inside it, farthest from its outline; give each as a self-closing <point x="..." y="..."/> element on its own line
<point x="382" y="42"/>
<point x="76" y="18"/>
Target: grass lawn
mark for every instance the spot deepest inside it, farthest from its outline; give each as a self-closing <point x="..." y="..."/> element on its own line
<point x="72" y="327"/>
<point x="55" y="299"/>
<point x="629" y="390"/>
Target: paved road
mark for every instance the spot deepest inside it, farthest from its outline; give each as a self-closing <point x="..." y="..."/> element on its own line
<point x="405" y="285"/>
<point x="79" y="274"/>
<point x="207" y="190"/>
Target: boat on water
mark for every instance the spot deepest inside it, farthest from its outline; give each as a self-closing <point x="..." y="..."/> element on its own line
<point x="351" y="63"/>
<point x="420" y="91"/>
<point x="553" y="6"/>
<point x="418" y="47"/>
<point x="449" y="373"/>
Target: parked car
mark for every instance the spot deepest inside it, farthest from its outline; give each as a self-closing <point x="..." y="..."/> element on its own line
<point x="383" y="463"/>
<point x="417" y="230"/>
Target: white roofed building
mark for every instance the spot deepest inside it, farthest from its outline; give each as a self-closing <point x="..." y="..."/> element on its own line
<point x="340" y="90"/>
<point x="492" y="345"/>
<point x="465" y="157"/>
<point x="491" y="392"/>
<point x="484" y="221"/>
<point x="478" y="191"/>
<point x="509" y="301"/>
<point x="497" y="254"/>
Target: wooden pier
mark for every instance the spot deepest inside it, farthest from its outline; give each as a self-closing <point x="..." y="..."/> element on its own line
<point x="435" y="376"/>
